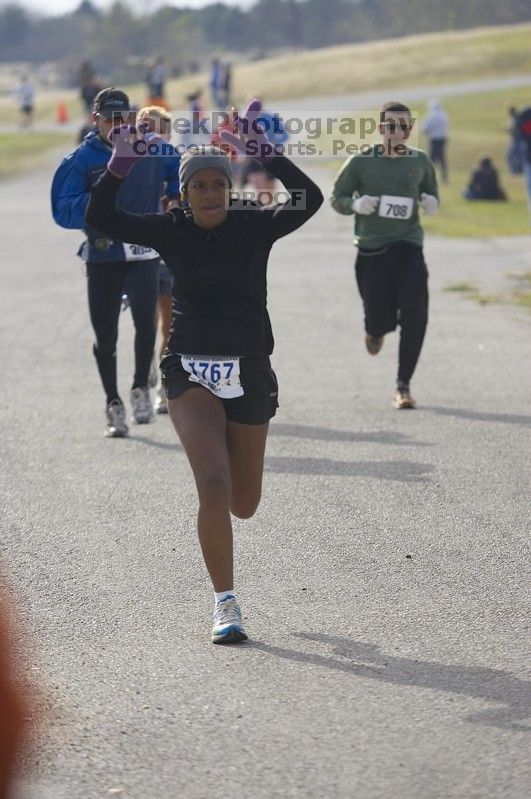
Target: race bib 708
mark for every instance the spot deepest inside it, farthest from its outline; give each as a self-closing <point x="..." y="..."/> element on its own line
<point x="392" y="207"/>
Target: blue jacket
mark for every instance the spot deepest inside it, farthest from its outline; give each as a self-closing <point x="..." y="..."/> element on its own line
<point x="139" y="193"/>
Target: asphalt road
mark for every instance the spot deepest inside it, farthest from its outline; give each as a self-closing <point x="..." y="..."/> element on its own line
<point x="382" y="579"/>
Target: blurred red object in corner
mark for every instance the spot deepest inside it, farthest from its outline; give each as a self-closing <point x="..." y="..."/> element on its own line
<point x="14" y="707"/>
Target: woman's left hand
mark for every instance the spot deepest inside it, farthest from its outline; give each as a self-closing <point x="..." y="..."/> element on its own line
<point x="249" y="137"/>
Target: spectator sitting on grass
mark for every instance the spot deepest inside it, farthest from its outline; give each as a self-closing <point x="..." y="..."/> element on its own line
<point x="484" y="183"/>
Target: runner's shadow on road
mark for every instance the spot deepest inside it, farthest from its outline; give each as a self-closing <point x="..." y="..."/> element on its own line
<point x="402" y="471"/>
<point x="366" y="660"/>
<point x="480" y="416"/>
<point x="326" y="434"/>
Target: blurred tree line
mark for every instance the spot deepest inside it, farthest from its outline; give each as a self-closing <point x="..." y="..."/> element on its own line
<point x="188" y="38"/>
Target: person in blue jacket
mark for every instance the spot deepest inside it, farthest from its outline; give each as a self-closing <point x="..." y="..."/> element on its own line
<point x="114" y="267"/>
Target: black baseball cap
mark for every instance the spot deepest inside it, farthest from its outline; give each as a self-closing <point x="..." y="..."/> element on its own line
<point x="111" y="101"/>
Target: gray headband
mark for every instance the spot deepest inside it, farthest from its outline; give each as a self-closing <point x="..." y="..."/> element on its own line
<point x="203" y="157"/>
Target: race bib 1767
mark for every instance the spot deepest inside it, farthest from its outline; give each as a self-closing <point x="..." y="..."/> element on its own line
<point x="220" y="375"/>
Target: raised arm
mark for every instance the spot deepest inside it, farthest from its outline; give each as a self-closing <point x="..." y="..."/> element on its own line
<point x="147" y="229"/>
<point x="102" y="214"/>
<point x="249" y="138"/>
<point x="306" y="199"/>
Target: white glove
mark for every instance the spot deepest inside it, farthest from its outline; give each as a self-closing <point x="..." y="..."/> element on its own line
<point x="429" y="204"/>
<point x="365" y="204"/>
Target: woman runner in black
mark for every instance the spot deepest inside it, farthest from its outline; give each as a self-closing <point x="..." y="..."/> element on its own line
<point x="217" y="373"/>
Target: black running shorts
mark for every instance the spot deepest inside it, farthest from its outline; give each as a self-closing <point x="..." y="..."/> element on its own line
<point x="259" y="402"/>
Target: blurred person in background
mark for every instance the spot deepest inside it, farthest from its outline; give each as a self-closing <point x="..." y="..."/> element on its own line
<point x="86" y="75"/>
<point x="25" y="94"/>
<point x="115" y="268"/>
<point x="156" y="80"/>
<point x="225" y="84"/>
<point x="195" y="114"/>
<point x="435" y="126"/>
<point x="515" y="151"/>
<point x="215" y="82"/>
<point x="89" y="92"/>
<point x="158" y="120"/>
<point x="524" y="131"/>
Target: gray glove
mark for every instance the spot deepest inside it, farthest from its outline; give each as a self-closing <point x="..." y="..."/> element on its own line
<point x="365" y="204"/>
<point x="429" y="204"/>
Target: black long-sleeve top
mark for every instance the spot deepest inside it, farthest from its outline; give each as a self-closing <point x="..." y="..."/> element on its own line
<point x="219" y="290"/>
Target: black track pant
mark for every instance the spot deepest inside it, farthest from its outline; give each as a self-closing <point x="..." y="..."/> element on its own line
<point x="393" y="284"/>
<point x="107" y="282"/>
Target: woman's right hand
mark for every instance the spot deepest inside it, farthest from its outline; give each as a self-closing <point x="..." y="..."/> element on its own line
<point x="129" y="145"/>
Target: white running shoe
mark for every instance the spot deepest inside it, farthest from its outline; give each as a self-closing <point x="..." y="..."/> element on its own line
<point x="228" y="628"/>
<point x="116" y="424"/>
<point x="161" y="403"/>
<point x="153" y="377"/>
<point x="403" y="398"/>
<point x="141" y="404"/>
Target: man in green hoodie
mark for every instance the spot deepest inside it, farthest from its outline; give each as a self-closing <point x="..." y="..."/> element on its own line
<point x="384" y="187"/>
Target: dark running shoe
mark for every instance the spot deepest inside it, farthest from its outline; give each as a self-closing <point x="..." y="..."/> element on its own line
<point x="374" y="344"/>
